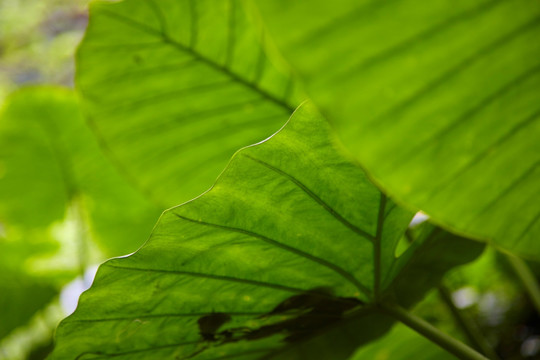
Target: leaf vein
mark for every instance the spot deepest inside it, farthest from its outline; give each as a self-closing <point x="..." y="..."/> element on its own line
<point x="508" y="189"/>
<point x="315" y="197"/>
<point x="214" y="277"/>
<point x="464" y="64"/>
<point x="445" y="131"/>
<point x="136" y="351"/>
<point x="528" y="228"/>
<point x="335" y="268"/>
<point x="231" y="28"/>
<point x="209" y="62"/>
<point x="483" y="154"/>
<point x="168" y="95"/>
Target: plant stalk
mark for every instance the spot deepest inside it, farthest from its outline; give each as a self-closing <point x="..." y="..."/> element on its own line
<point x="527" y="278"/>
<point x="424" y="328"/>
<point x="82" y="239"/>
<point x="469" y="328"/>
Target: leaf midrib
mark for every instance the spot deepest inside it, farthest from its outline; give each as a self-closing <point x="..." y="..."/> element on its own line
<point x="166" y="39"/>
<point x="316" y="198"/>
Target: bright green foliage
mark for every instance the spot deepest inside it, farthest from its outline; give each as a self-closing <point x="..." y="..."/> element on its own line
<point x="173" y="88"/>
<point x="50" y="162"/>
<point x="272" y="255"/>
<point x="440" y="101"/>
<point x="293" y="253"/>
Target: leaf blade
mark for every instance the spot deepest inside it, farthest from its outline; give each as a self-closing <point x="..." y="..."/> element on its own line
<point x="265" y="264"/>
<point x="191" y="92"/>
<point x="437" y="103"/>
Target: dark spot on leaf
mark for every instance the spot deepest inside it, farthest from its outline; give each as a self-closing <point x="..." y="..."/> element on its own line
<point x="304" y="301"/>
<point x="315" y="309"/>
<point x="305" y="314"/>
<point x="210" y="324"/>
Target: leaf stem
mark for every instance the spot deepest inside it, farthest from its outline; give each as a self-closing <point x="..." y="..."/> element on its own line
<point x="527" y="278"/>
<point x="469" y="328"/>
<point x="422" y="327"/>
<point x="81" y="235"/>
<point x="377" y="249"/>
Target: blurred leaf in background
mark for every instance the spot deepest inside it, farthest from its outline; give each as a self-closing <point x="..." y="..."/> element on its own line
<point x="63" y="206"/>
<point x="59" y="193"/>
<point x="52" y="163"/>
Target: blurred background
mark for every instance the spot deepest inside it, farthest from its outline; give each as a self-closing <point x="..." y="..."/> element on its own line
<point x="65" y="208"/>
<point x="37" y="46"/>
<point x="38" y="41"/>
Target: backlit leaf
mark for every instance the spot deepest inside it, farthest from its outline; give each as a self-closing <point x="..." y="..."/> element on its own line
<point x="439" y="100"/>
<point x="174" y="87"/>
<point x="284" y="257"/>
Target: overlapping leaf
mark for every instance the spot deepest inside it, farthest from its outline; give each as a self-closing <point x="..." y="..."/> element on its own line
<point x="438" y="100"/>
<point x="282" y="257"/>
<point x="174" y="87"/>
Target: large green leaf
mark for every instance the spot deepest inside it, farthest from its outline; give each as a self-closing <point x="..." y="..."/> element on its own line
<point x="49" y="162"/>
<point x="284" y="256"/>
<point x="439" y="100"/>
<point x="174" y="87"/>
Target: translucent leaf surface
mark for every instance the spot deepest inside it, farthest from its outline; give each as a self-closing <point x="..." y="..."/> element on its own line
<point x="174" y="88"/>
<point x="438" y="100"/>
<point x="283" y="258"/>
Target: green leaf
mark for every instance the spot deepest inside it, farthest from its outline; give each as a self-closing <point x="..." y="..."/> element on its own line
<point x="402" y="343"/>
<point x="439" y="251"/>
<point x="173" y="88"/>
<point x="283" y="257"/>
<point x="438" y="100"/>
<point x="49" y="162"/>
